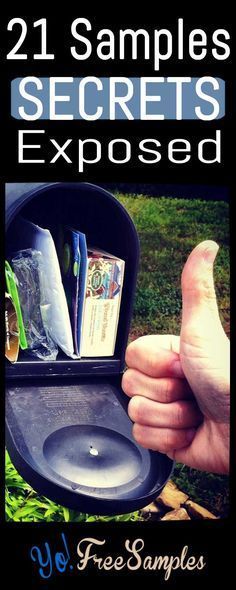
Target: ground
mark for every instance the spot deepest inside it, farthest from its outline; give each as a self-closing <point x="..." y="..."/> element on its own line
<point x="168" y="229"/>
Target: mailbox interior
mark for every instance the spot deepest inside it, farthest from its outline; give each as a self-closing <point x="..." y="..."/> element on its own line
<point x="108" y="226"/>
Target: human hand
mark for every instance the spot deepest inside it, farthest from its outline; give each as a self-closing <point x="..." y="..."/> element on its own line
<point x="180" y="385"/>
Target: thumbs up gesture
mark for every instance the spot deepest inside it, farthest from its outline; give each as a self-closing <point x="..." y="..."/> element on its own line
<point x="179" y="385"/>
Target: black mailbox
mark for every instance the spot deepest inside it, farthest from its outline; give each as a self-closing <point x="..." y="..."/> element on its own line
<point x="67" y="428"/>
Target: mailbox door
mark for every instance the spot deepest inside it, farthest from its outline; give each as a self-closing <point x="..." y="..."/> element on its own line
<point x="72" y="441"/>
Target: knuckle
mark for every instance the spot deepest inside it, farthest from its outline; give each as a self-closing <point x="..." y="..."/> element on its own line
<point x="151" y="364"/>
<point x="168" y="441"/>
<point x="180" y="414"/>
<point x="135" y="409"/>
<point x="131" y="352"/>
<point x="140" y="349"/>
<point x="128" y="382"/>
<point x="202" y="287"/>
<point x="139" y="435"/>
<point x="166" y="391"/>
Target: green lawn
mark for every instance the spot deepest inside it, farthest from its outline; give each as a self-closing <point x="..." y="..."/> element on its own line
<point x="168" y="229"/>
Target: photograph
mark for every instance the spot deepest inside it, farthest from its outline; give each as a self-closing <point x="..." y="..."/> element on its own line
<point x="117" y="326"/>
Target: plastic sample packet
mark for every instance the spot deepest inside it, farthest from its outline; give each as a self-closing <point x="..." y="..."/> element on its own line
<point x="27" y="235"/>
<point x="28" y="269"/>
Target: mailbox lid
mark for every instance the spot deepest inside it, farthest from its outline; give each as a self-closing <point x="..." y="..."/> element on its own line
<point x="72" y="441"/>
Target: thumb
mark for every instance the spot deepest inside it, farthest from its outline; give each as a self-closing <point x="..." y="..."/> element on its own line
<point x="204" y="347"/>
<point x="198" y="292"/>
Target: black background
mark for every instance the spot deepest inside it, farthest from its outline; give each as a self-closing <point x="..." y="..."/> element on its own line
<point x="213" y="539"/>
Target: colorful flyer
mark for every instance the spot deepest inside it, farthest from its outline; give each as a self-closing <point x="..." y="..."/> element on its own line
<point x="102" y="304"/>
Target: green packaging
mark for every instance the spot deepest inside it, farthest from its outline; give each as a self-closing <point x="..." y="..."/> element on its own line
<point x="13" y="292"/>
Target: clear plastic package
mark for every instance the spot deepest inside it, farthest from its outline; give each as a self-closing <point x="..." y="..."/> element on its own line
<point x="28" y="236"/>
<point x="28" y="269"/>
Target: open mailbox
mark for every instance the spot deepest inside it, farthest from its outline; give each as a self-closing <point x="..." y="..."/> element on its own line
<point x="67" y="428"/>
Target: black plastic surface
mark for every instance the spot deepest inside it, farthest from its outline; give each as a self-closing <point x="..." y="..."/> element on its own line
<point x="31" y="368"/>
<point x="73" y="442"/>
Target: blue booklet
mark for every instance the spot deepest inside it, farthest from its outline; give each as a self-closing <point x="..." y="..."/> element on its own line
<point x="74" y="273"/>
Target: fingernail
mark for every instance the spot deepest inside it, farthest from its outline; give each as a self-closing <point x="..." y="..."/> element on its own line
<point x="190" y="434"/>
<point x="177" y="370"/>
<point x="210" y="252"/>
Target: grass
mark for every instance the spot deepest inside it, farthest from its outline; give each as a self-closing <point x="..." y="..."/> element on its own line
<point x="168" y="229"/>
<point x="24" y="505"/>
